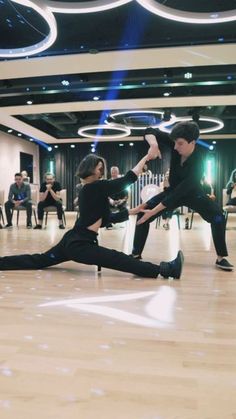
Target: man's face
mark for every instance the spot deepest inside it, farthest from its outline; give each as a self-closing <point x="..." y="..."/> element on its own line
<point x="114" y="172"/>
<point x="49" y="180"/>
<point x="183" y="147"/>
<point x="18" y="180"/>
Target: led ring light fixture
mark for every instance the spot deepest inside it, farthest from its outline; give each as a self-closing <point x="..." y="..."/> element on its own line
<point x="123" y="131"/>
<point x="187" y="17"/>
<point x="218" y="124"/>
<point x="114" y="115"/>
<point x="46" y="8"/>
<point x="48" y="16"/>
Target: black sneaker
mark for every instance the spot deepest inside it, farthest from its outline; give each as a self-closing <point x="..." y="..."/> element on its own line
<point x="9" y="225"/>
<point x="224" y="264"/>
<point x="62" y="227"/>
<point x="38" y="227"/>
<point x="29" y="225"/>
<point x="174" y="268"/>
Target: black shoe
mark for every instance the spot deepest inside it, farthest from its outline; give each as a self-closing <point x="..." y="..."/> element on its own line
<point x="38" y="227"/>
<point x="9" y="225"/>
<point x="172" y="269"/>
<point x="29" y="225"/>
<point x="1" y="226"/>
<point x="62" y="227"/>
<point x="136" y="256"/>
<point x="224" y="264"/>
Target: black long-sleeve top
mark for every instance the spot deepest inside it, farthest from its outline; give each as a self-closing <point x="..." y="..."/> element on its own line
<point x="184" y="179"/>
<point x="93" y="199"/>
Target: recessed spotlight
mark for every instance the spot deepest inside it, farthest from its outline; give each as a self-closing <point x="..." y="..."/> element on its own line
<point x="49" y="148"/>
<point x="31" y="139"/>
<point x="221" y="39"/>
<point x="96" y="97"/>
<point x="229" y="77"/>
<point x="27" y="89"/>
<point x="72" y="146"/>
<point x="131" y="144"/>
<point x="29" y="102"/>
<point x="43" y="88"/>
<point x="121" y="145"/>
<point x="166" y="94"/>
<point x="19" y="134"/>
<point x="211" y="147"/>
<point x="93" y="150"/>
<point x="55" y="146"/>
<point x="188" y="75"/>
<point x="65" y="82"/>
<point x="165" y="81"/>
<point x="9" y="130"/>
<point x="143" y="83"/>
<point x="213" y="142"/>
<point x="121" y="84"/>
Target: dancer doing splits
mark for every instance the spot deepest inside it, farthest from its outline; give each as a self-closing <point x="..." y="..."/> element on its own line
<point x="80" y="243"/>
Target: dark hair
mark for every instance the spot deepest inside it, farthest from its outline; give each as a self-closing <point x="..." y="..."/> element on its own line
<point x="187" y="130"/>
<point x="88" y="164"/>
<point x="18" y="174"/>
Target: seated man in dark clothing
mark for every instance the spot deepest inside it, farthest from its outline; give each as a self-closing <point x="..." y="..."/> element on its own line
<point x="186" y="171"/>
<point x="231" y="189"/>
<point x="19" y="195"/>
<point x="49" y="196"/>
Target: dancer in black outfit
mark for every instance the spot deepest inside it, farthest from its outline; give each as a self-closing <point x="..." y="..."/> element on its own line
<point x="80" y="244"/>
<point x="186" y="171"/>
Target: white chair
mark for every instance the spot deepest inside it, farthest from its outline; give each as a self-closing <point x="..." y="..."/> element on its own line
<point x="228" y="209"/>
<point x="1" y="206"/>
<point x="53" y="210"/>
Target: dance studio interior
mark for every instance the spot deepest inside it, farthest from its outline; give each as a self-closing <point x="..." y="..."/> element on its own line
<point x="83" y="338"/>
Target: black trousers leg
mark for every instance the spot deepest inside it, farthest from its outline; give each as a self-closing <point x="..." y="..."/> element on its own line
<point x="142" y="230"/>
<point x="28" y="207"/>
<point x="8" y="210"/>
<point x="58" y="204"/>
<point x="92" y="254"/>
<point x="52" y="257"/>
<point x="40" y="208"/>
<point x="213" y="214"/>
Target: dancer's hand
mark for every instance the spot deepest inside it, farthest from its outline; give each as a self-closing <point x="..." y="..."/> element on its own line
<point x="146" y="215"/>
<point x="154" y="150"/>
<point x="136" y="210"/>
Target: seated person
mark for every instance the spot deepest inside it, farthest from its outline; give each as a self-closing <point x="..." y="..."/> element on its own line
<point x="146" y="171"/>
<point x="49" y="196"/>
<point x="19" y="195"/>
<point x="207" y="188"/>
<point x="231" y="189"/>
<point x="118" y="201"/>
<point x="78" y="188"/>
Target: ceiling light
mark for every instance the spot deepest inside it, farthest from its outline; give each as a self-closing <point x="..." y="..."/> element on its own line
<point x="131" y="144"/>
<point x="65" y="82"/>
<point x="96" y="97"/>
<point x="29" y="102"/>
<point x="166" y="94"/>
<point x="188" y="75"/>
<point x="213" y="142"/>
<point x="187" y="17"/>
<point x="72" y="146"/>
<point x="9" y="130"/>
<point x="55" y="146"/>
<point x="31" y="139"/>
<point x="123" y="131"/>
<point x="48" y="16"/>
<point x="211" y="147"/>
<point x="49" y="148"/>
<point x="19" y="134"/>
<point x="143" y="112"/>
<point x="85" y="6"/>
<point x="218" y="124"/>
<point x="121" y="145"/>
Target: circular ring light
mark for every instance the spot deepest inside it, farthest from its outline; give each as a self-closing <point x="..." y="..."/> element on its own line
<point x="187" y="17"/>
<point x="85" y="7"/>
<point x="122" y="131"/>
<point x="218" y="124"/>
<point x="114" y="115"/>
<point x="48" y="16"/>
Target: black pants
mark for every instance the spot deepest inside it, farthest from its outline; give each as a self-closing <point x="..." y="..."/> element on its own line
<point x="200" y="203"/>
<point x="43" y="204"/>
<point x="8" y="210"/>
<point x="81" y="247"/>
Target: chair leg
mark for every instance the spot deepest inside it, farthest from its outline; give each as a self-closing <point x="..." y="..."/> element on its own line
<point x="35" y="218"/>
<point x="99" y="269"/>
<point x="191" y="221"/>
<point x="46" y="219"/>
<point x="64" y="217"/>
<point x="2" y="216"/>
<point x="178" y="220"/>
<point x="17" y="217"/>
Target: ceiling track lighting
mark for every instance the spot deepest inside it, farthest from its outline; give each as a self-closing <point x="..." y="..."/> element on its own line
<point x="121" y="131"/>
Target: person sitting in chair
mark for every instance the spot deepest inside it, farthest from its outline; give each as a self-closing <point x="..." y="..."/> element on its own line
<point x="19" y="196"/>
<point x="231" y="189"/>
<point x="118" y="201"/>
<point x="49" y="196"/>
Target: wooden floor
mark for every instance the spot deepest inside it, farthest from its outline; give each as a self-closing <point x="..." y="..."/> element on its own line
<point x="74" y="345"/>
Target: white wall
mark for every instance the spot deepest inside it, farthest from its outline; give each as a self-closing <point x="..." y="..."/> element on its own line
<point x="10" y="148"/>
